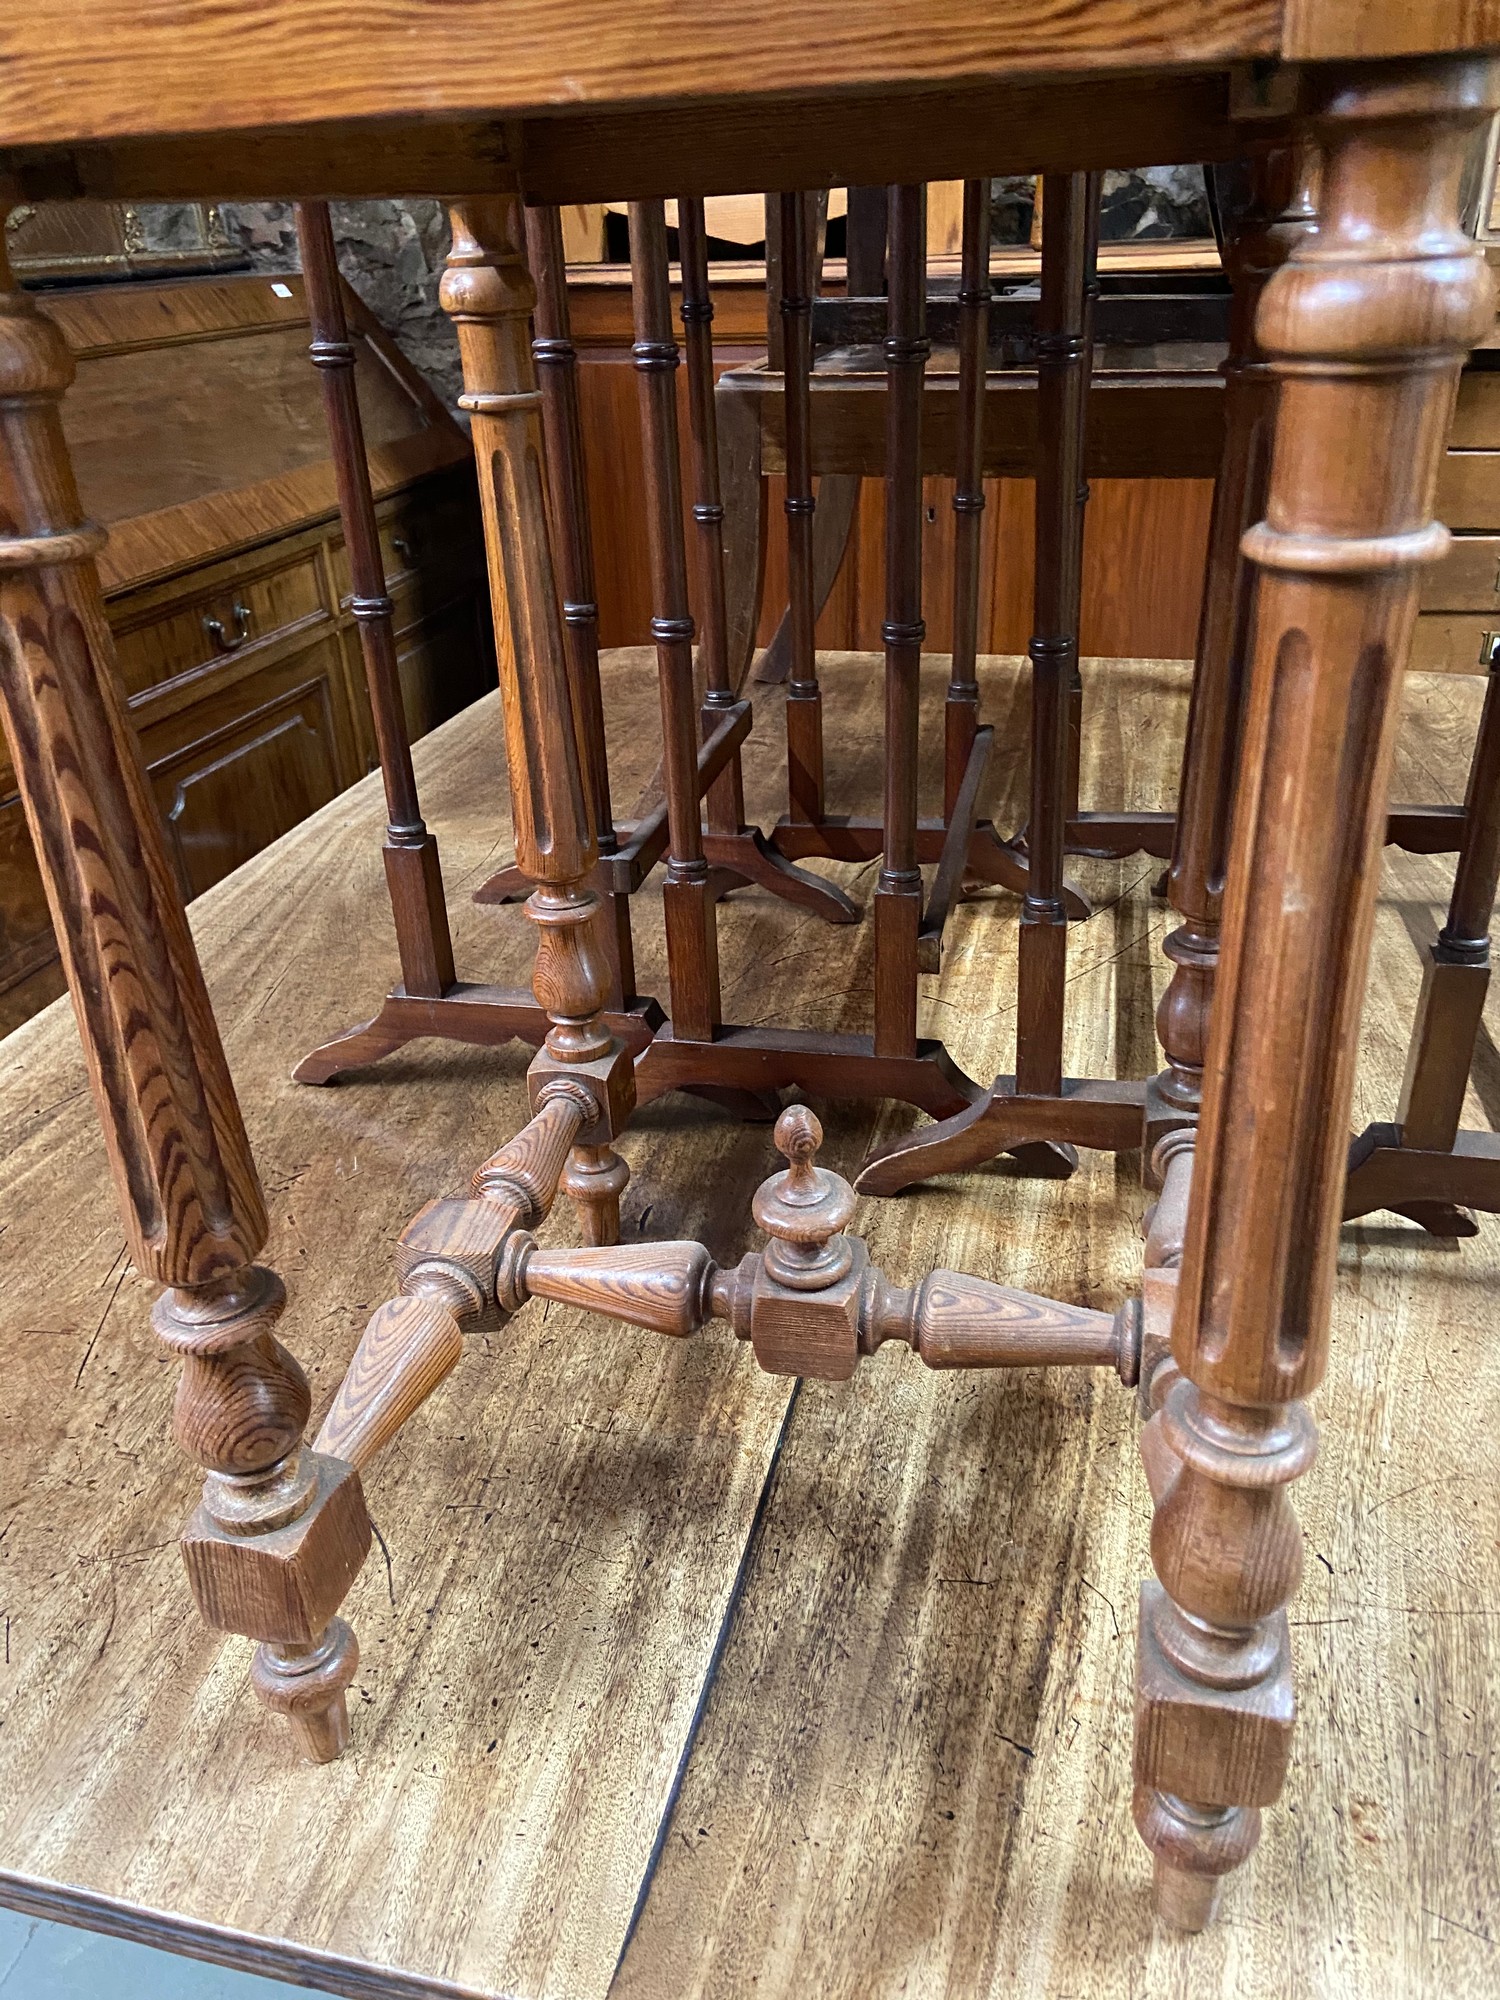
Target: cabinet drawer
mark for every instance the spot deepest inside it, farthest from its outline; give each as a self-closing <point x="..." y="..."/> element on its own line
<point x="432" y="531"/>
<point x="278" y="752"/>
<point x="1468" y="489"/>
<point x="1467" y="579"/>
<point x="196" y="632"/>
<point x="1450" y="642"/>
<point x="1476" y="415"/>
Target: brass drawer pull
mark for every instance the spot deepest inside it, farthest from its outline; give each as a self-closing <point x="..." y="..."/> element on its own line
<point x="215" y="629"/>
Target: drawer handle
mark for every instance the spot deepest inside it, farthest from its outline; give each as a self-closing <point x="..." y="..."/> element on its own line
<point x="403" y="547"/>
<point x="214" y="627"/>
<point x="1489" y="649"/>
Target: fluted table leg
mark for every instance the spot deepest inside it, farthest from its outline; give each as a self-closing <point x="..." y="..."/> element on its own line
<point x="281" y="1531"/>
<point x="1364" y="328"/>
<point x="487" y="291"/>
<point x="1281" y="210"/>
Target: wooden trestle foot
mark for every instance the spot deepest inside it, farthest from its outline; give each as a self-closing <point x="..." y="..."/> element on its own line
<point x="485" y="1017"/>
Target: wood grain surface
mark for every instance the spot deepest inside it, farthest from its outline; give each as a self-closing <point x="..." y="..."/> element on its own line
<point x="923" y="1606"/>
<point x="140" y="66"/>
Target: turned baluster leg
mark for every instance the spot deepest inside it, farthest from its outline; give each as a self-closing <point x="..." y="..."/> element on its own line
<point x="1062" y="390"/>
<point x="898" y="893"/>
<point x="961" y="707"/>
<point x="804" y="698"/>
<point x="487" y="291"/>
<point x="1364" y="328"/>
<point x="726" y="795"/>
<point x="556" y="360"/>
<point x="1281" y="211"/>
<point x="687" y="902"/>
<point x="281" y="1531"/>
<point x="412" y="873"/>
<point x="1092" y="190"/>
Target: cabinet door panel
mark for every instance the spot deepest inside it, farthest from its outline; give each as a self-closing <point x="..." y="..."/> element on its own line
<point x="444" y="664"/>
<point x="228" y="795"/>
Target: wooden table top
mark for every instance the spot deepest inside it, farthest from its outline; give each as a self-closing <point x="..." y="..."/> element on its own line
<point x="595" y="100"/>
<point x="749" y="1692"/>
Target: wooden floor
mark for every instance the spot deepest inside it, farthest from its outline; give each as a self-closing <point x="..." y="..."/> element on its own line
<point x="678" y="1679"/>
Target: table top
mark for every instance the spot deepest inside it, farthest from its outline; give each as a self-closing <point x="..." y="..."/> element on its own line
<point x="749" y="1693"/>
<point x="595" y="100"/>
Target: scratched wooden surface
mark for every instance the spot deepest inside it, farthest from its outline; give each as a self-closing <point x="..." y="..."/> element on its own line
<point x="905" y="1604"/>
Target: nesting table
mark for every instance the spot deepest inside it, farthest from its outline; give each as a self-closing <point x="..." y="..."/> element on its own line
<point x="1362" y="324"/>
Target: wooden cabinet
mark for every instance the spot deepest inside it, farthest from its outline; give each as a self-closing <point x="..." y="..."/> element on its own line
<point x="1458" y="627"/>
<point x="197" y="430"/>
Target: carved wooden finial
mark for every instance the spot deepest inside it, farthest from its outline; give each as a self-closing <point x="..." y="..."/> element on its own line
<point x="804" y="1208"/>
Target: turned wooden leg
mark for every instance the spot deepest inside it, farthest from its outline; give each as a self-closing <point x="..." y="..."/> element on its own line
<point x="413" y="874"/>
<point x="1364" y="328"/>
<point x="281" y="1531"/>
<point x="898" y="893"/>
<point x="1070" y="236"/>
<point x="487" y="291"/>
<point x="688" y="902"/>
<point x="1259" y="241"/>
<point x="961" y="704"/>
<point x="556" y="361"/>
<point x="804" y="698"/>
<point x="1456" y="971"/>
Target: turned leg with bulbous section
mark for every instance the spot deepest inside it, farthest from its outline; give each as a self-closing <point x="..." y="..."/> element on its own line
<point x="1363" y="328"/>
<point x="281" y="1531"/>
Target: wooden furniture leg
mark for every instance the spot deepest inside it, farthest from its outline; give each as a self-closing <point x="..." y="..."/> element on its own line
<point x="1424" y="1166"/>
<point x="729" y="844"/>
<point x="961" y="705"/>
<point x="688" y="905"/>
<point x="898" y="894"/>
<point x="1364" y="328"/>
<point x="487" y="292"/>
<point x="1069" y="204"/>
<point x="966" y="747"/>
<point x="804" y="700"/>
<point x="430" y="999"/>
<point x="1038" y="1116"/>
<point x="808" y="829"/>
<point x="1280" y="212"/>
<point x="838" y="492"/>
<point x="281" y="1531"/>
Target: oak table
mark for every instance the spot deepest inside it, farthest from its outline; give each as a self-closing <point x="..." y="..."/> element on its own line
<point x="1362" y="324"/>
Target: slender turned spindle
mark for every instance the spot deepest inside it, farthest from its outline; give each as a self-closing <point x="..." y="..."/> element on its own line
<point x="804" y="700"/>
<point x="961" y="708"/>
<point x="281" y="1531"/>
<point x="1062" y="394"/>
<point x="487" y="292"/>
<point x="1280" y="212"/>
<point x="413" y="875"/>
<point x="726" y="795"/>
<point x="688" y="906"/>
<point x="898" y="894"/>
<point x="1456" y="967"/>
<point x="1364" y="328"/>
<point x="1092" y="193"/>
<point x="556" y="361"/>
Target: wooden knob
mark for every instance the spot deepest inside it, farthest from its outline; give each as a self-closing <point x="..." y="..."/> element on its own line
<point x="804" y="1208"/>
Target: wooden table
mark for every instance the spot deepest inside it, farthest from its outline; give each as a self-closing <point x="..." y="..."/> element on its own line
<point x="1361" y="326"/>
<point x="566" y="1529"/>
